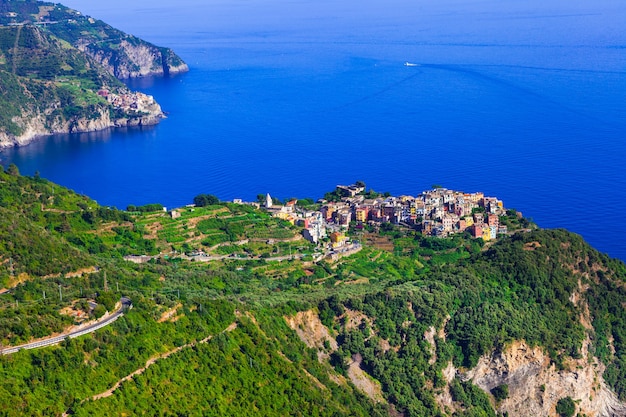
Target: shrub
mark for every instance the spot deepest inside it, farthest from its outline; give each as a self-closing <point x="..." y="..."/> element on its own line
<point x="566" y="407"/>
<point x="501" y="392"/>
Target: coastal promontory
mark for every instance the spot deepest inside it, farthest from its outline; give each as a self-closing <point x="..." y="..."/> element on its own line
<point x="60" y="72"/>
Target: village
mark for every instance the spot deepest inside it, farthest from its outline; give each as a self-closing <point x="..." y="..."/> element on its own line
<point x="438" y="212"/>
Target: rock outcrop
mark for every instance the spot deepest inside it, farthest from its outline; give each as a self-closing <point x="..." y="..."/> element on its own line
<point x="130" y="109"/>
<point x="535" y="384"/>
<point x="131" y="59"/>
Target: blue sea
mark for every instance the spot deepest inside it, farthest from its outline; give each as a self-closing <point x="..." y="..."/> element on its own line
<point x="523" y="100"/>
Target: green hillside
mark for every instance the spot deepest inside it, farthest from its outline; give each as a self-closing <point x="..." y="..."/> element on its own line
<point x="242" y="333"/>
<point x="41" y="75"/>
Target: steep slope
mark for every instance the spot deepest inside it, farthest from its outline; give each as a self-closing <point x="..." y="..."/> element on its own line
<point x="524" y="315"/>
<point x="58" y="73"/>
<point x="50" y="88"/>
<point x="532" y="320"/>
<point x="535" y="383"/>
<point x="123" y="55"/>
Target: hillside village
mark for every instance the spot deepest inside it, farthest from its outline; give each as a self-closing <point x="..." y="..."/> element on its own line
<point x="438" y="212"/>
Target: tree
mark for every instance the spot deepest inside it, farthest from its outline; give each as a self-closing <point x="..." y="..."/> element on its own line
<point x="304" y="202"/>
<point x="202" y="200"/>
<point x="13" y="170"/>
<point x="566" y="407"/>
<point x="107" y="299"/>
<point x="99" y="311"/>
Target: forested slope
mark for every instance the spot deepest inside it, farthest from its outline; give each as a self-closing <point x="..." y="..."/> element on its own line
<point x="382" y="332"/>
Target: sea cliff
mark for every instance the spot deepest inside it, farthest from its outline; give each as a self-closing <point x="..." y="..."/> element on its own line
<point x="131" y="60"/>
<point x="132" y="109"/>
<point x="60" y="72"/>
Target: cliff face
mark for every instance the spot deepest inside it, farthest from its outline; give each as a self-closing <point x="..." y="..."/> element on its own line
<point x="535" y="380"/>
<point x="535" y="385"/>
<point x="123" y="55"/>
<point x="131" y="109"/>
<point x="134" y="59"/>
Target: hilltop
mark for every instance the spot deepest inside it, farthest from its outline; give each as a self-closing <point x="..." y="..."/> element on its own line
<point x="259" y="324"/>
<point x="60" y="71"/>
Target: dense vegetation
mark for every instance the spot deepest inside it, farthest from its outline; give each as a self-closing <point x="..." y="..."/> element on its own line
<point x="60" y="251"/>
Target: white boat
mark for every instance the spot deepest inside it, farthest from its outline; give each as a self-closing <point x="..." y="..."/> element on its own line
<point x="410" y="64"/>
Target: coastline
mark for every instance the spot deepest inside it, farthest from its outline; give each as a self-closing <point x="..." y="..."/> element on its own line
<point x="148" y="113"/>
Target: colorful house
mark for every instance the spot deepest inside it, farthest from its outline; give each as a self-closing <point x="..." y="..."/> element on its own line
<point x="337" y="239"/>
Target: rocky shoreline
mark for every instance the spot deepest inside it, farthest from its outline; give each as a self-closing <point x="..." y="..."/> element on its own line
<point x="138" y="109"/>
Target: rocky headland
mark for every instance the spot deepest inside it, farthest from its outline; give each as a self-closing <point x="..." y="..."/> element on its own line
<point x="132" y="109"/>
<point x="60" y="72"/>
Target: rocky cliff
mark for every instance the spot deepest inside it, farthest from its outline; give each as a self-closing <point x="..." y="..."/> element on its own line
<point x="534" y="382"/>
<point x="535" y="385"/>
<point x="123" y="55"/>
<point x="134" y="59"/>
<point x="129" y="109"/>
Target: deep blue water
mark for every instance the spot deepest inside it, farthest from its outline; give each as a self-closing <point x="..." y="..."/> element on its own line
<point x="524" y="100"/>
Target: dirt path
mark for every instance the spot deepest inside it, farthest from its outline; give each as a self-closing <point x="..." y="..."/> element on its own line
<point x="153" y="360"/>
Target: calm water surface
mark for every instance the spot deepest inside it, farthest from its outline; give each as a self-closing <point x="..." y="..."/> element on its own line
<point x="522" y="100"/>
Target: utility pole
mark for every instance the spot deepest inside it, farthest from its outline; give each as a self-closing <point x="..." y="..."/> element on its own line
<point x="106" y="286"/>
<point x="117" y="284"/>
<point x="60" y="293"/>
<point x="44" y="294"/>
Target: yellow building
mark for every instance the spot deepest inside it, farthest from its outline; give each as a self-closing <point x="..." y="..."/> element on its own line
<point x="283" y="215"/>
<point x="330" y="210"/>
<point x="361" y="214"/>
<point x="486" y="233"/>
<point x="337" y="239"/>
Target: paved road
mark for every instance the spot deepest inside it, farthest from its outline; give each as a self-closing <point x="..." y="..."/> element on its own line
<point x="126" y="304"/>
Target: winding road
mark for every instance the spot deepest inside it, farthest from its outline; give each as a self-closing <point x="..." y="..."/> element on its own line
<point x="126" y="304"/>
